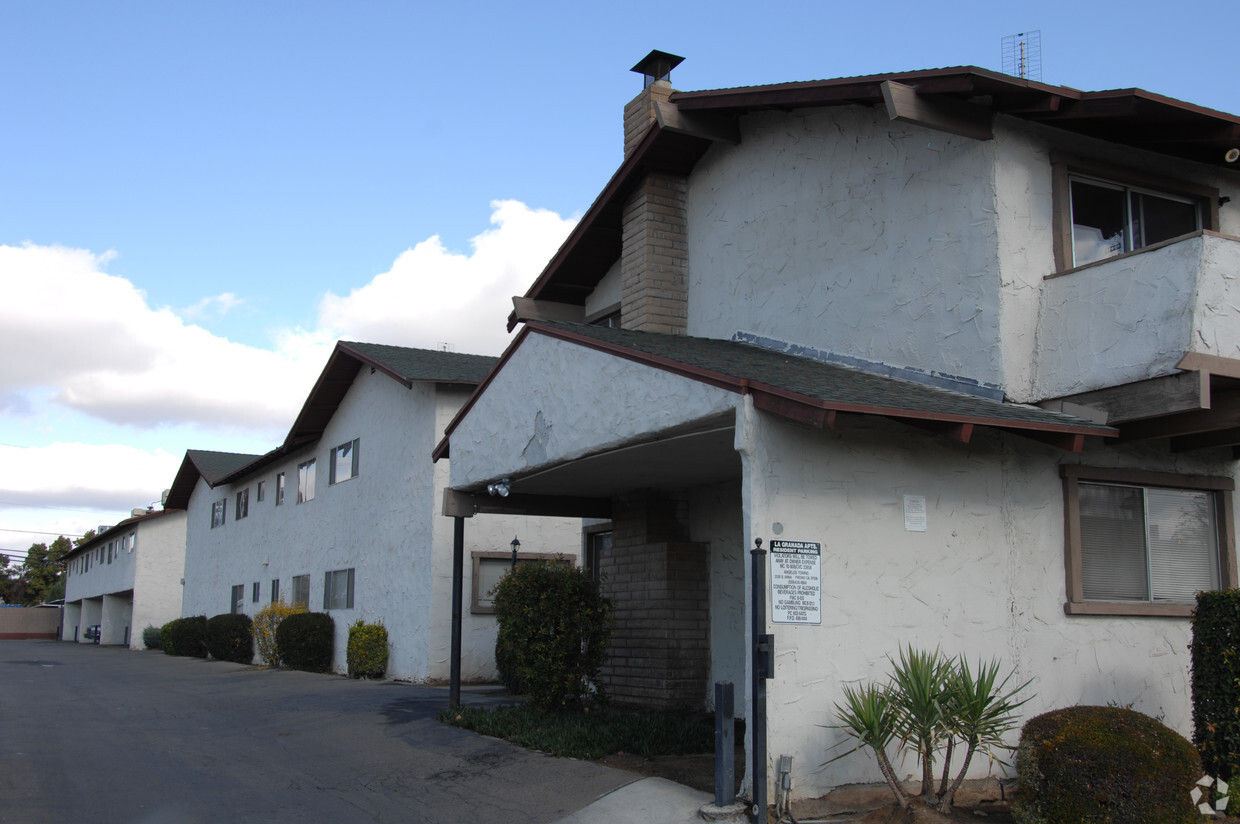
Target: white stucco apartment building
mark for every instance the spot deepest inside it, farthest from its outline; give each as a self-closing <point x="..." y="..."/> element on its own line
<point x="970" y="341"/>
<point x="125" y="579"/>
<point x="344" y="516"/>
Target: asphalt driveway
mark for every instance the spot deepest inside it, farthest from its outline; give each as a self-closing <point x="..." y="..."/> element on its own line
<point x="103" y="734"/>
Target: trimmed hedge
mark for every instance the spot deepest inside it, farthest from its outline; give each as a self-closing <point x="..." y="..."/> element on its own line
<point x="150" y="638"/>
<point x="305" y="640"/>
<point x="367" y="654"/>
<point x="554" y="627"/>
<point x="1103" y="765"/>
<point x="185" y="636"/>
<point x="228" y="638"/>
<point x="1216" y="682"/>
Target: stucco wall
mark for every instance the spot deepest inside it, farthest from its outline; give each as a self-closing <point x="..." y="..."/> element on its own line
<point x="985" y="579"/>
<point x="143" y="583"/>
<point x="839" y="229"/>
<point x="23" y="623"/>
<point x="1136" y="317"/>
<point x="385" y="523"/>
<point x="556" y="401"/>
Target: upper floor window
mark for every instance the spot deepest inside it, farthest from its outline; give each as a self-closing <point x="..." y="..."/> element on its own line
<point x="218" y="512"/>
<point x="1145" y="543"/>
<point x="260" y="491"/>
<point x="1110" y="218"/>
<point x="1101" y="211"/>
<point x="279" y="488"/>
<point x="344" y="462"/>
<point x="305" y="481"/>
<point x="243" y="503"/>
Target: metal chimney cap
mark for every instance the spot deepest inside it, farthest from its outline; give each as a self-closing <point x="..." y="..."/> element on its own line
<point x="656" y="66"/>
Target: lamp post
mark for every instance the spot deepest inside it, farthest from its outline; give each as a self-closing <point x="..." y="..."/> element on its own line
<point x="515" y="546"/>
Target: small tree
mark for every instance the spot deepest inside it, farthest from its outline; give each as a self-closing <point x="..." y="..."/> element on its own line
<point x="1216" y="682"/>
<point x="554" y="626"/>
<point x="264" y="630"/>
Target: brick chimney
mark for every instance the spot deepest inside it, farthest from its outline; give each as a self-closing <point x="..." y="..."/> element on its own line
<point x="654" y="259"/>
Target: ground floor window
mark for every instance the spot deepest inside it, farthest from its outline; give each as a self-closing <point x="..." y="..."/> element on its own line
<point x="238" y="599"/>
<point x="338" y="589"/>
<point x="301" y="591"/>
<point x="1145" y="543"/>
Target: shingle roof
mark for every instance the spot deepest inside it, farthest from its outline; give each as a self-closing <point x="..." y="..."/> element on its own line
<point x="212" y="467"/>
<point x="817" y="384"/>
<point x="425" y="364"/>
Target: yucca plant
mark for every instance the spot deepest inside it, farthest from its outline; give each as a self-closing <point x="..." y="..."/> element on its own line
<point x="977" y="713"/>
<point x="870" y="716"/>
<point x="918" y="684"/>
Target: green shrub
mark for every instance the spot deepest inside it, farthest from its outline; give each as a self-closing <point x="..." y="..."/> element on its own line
<point x="264" y="627"/>
<point x="151" y="638"/>
<point x="367" y="653"/>
<point x="1103" y="765"/>
<point x="554" y="626"/>
<point x="1216" y="682"/>
<point x="305" y="640"/>
<point x="185" y="636"/>
<point x="228" y="638"/>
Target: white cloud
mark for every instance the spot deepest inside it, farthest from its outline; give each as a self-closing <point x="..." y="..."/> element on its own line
<point x="433" y="295"/>
<point x="93" y="338"/>
<point x="214" y="306"/>
<point x="84" y="476"/>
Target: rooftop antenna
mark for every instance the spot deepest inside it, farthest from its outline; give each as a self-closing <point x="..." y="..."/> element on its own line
<point x="1022" y="55"/>
<point x="444" y="346"/>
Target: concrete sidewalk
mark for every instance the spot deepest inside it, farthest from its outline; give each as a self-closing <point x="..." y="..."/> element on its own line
<point x="652" y="801"/>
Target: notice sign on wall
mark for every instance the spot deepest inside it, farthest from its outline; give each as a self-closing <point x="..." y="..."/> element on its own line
<point x="796" y="582"/>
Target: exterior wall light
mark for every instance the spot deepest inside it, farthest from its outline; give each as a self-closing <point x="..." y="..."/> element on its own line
<point x="501" y="489"/>
<point x="515" y="546"/>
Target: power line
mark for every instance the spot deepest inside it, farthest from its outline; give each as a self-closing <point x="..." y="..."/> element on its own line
<point x="43" y="532"/>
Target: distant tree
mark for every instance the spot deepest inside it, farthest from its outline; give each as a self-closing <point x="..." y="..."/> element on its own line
<point x="8" y="574"/>
<point x="43" y="571"/>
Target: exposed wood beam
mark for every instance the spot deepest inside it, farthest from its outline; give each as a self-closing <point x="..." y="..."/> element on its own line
<point x="1206" y="440"/>
<point x="706" y="125"/>
<point x="525" y="309"/>
<point x="1224" y="415"/>
<point x="466" y="505"/>
<point x="943" y="113"/>
<point x="1183" y="392"/>
<point x="1228" y="367"/>
<point x="814" y="416"/>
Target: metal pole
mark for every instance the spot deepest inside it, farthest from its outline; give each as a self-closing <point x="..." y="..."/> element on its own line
<point x="761" y="653"/>
<point x="458" y="579"/>
<point x="725" y="745"/>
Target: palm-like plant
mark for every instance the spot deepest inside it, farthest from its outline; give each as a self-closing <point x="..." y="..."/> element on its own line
<point x="869" y="716"/>
<point x="978" y="713"/>
<point x="918" y="683"/>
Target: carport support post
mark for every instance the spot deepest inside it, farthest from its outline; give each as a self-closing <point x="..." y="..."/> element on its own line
<point x="761" y="652"/>
<point x="458" y="584"/>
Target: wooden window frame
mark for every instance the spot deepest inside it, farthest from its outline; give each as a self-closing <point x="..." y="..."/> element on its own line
<point x="476" y="608"/>
<point x="1064" y="166"/>
<point x="1072" y="476"/>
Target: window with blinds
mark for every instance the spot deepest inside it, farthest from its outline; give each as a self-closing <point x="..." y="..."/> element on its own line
<point x="1147" y="544"/>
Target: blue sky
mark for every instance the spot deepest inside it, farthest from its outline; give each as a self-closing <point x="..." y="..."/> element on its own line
<point x="197" y="199"/>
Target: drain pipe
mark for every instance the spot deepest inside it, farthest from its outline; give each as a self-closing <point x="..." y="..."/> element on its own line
<point x="763" y="651"/>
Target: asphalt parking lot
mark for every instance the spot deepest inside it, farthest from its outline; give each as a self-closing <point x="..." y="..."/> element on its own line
<point x="103" y="734"/>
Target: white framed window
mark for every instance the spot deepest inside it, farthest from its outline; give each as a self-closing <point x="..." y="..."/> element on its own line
<point x="1144" y="543"/>
<point x="338" y="589"/>
<point x="133" y="541"/>
<point x="279" y="488"/>
<point x="275" y="590"/>
<point x="243" y="503"/>
<point x="260" y="491"/>
<point x="344" y="462"/>
<point x="305" y="481"/>
<point x="218" y="512"/>
<point x="238" y="599"/>
<point x="301" y="591"/>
